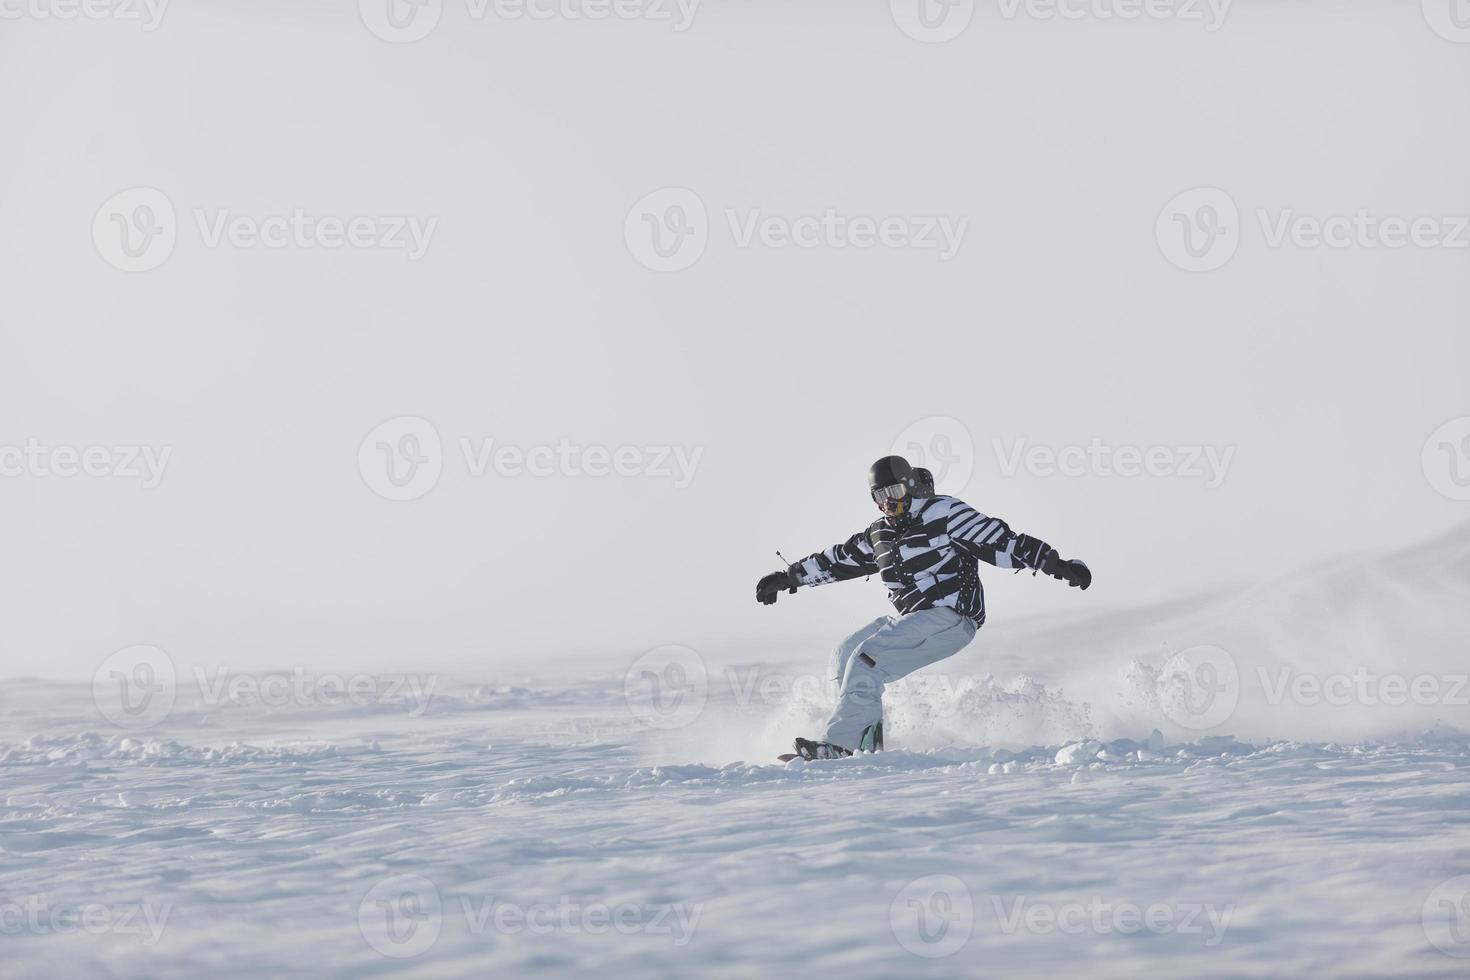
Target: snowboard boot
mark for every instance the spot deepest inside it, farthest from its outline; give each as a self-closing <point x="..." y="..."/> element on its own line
<point x="871" y="740"/>
<point x="811" y="751"/>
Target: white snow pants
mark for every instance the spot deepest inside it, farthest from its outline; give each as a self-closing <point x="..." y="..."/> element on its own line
<point x="886" y="649"/>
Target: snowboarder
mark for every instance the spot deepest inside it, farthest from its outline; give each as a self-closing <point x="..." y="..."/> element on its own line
<point x="925" y="547"/>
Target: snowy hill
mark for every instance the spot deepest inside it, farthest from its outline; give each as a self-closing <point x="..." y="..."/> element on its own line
<point x="1053" y="802"/>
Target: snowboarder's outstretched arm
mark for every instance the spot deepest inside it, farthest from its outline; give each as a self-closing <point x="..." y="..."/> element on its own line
<point x="991" y="540"/>
<point x="853" y="558"/>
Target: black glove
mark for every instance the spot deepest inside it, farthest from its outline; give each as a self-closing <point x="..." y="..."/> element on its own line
<point x="1074" y="573"/>
<point x="1041" y="556"/>
<point x="771" y="585"/>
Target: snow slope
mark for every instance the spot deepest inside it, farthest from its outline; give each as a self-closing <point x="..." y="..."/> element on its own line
<point x="1047" y="807"/>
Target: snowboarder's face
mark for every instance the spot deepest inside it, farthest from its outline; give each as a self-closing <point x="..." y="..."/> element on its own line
<point x="892" y="500"/>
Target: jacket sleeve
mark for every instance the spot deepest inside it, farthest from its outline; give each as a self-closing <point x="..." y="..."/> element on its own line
<point x="991" y="540"/>
<point x="853" y="558"/>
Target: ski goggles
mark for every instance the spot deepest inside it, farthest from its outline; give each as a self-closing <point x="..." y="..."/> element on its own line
<point x="895" y="492"/>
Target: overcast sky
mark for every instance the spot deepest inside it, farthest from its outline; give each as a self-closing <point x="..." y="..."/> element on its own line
<point x="582" y="235"/>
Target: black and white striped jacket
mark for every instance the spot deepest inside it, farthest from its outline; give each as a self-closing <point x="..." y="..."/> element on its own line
<point x="929" y="557"/>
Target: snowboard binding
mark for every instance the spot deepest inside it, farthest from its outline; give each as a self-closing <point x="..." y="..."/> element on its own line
<point x="871" y="740"/>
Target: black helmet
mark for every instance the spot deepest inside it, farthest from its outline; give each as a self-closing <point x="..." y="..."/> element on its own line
<point x="890" y="481"/>
<point x="888" y="471"/>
